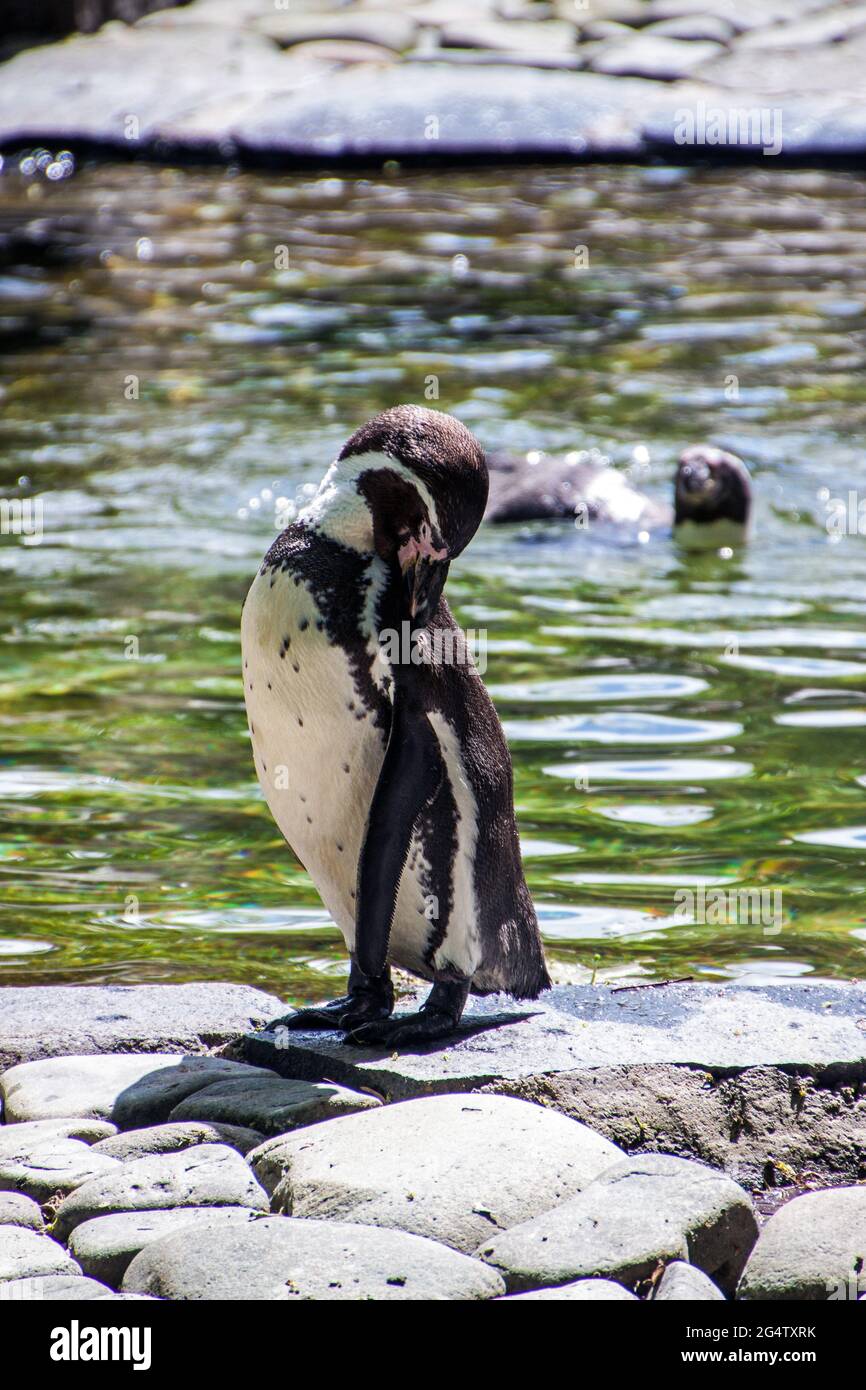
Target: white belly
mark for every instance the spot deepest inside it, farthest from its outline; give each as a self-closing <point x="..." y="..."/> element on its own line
<point x="318" y="754"/>
<point x="711" y="535"/>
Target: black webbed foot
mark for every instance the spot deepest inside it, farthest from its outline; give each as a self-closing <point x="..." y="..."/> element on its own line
<point x="437" y="1018"/>
<point x="369" y="1001"/>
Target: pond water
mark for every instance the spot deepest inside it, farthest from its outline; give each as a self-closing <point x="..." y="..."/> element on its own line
<point x="181" y="349"/>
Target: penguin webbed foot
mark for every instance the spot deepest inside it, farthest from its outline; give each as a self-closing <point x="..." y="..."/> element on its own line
<point x="368" y="1001"/>
<point x="437" y="1018"/>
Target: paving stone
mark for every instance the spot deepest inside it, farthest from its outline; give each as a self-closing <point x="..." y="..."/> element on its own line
<point x="584" y="1291"/>
<point x="785" y="73"/>
<point x="393" y="29"/>
<point x="694" y="26"/>
<point x="453" y="1168"/>
<point x="153" y="1099"/>
<point x="17" y="1209"/>
<point x="118" y="88"/>
<point x="814" y="1247"/>
<point x="59" y="1020"/>
<point x="449" y="111"/>
<point x="271" y="1104"/>
<point x="641" y="1213"/>
<point x="17" y="1140"/>
<point x="106" y="1245"/>
<point x="132" y="1089"/>
<point x="651" y="1069"/>
<point x="210" y="1175"/>
<point x="66" y="1288"/>
<point x="172" y="1138"/>
<point x="281" y="1259"/>
<point x="52" y="1167"/>
<point x="650" y="55"/>
<point x="26" y="1254"/>
<point x="683" y="1283"/>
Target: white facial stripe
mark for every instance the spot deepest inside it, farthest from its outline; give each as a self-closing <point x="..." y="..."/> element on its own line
<point x="340" y="512"/>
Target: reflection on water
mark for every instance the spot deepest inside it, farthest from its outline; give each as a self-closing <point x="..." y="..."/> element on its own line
<point x="181" y="353"/>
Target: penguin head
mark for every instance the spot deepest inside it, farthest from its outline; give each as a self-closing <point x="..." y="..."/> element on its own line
<point x="423" y="477"/>
<point x="711" y="485"/>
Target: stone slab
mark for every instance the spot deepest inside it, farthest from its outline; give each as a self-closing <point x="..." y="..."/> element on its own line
<point x="55" y="1020"/>
<point x="750" y="1079"/>
<point x="440" y="110"/>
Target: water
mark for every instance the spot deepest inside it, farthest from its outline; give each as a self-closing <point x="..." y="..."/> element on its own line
<point x="180" y="349"/>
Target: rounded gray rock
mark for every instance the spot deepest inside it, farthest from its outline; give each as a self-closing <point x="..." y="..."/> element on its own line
<point x="451" y="1167"/>
<point x="52" y="1167"/>
<point x="106" y="1245"/>
<point x="174" y="1138"/>
<point x="653" y="56"/>
<point x="716" y="1215"/>
<point x="67" y="1288"/>
<point x="55" y="1086"/>
<point x="129" y="1089"/>
<point x="271" y="1104"/>
<point x="282" y="1259"/>
<point x="17" y="1209"/>
<point x="647" y="1210"/>
<point x="153" y="1097"/>
<point x="17" y="1140"/>
<point x="814" y="1247"/>
<point x="584" y="1291"/>
<point x="210" y="1175"/>
<point x="682" y="1283"/>
<point x="26" y="1254"/>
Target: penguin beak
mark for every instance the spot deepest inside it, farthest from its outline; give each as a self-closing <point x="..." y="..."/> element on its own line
<point x="424" y="567"/>
<point x="697" y="477"/>
<point x="423" y="581"/>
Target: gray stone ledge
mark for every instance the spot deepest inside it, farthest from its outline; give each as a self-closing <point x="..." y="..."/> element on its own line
<point x="59" y="1020"/>
<point x="767" y="1083"/>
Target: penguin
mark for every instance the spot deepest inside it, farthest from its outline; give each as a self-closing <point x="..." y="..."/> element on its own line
<point x="375" y="742"/>
<point x="712" y="495"/>
<point x="712" y="499"/>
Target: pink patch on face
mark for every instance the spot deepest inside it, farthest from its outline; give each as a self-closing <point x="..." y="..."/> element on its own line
<point x="420" y="546"/>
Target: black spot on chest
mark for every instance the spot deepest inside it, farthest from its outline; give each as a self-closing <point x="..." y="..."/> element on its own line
<point x="338" y="581"/>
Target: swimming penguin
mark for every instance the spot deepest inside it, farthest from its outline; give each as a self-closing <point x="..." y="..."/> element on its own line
<point x="712" y="495"/>
<point x="378" y="749"/>
<point x="712" y="499"/>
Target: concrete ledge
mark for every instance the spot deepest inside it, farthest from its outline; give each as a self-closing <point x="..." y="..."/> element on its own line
<point x="58" y="1020"/>
<point x="767" y="1083"/>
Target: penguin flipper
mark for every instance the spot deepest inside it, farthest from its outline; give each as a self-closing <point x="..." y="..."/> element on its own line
<point x="411" y="775"/>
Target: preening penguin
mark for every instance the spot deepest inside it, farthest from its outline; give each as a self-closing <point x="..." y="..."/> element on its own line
<point x="382" y="759"/>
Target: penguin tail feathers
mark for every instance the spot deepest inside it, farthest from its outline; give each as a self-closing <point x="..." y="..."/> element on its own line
<point x="518" y="966"/>
<point x="532" y="984"/>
